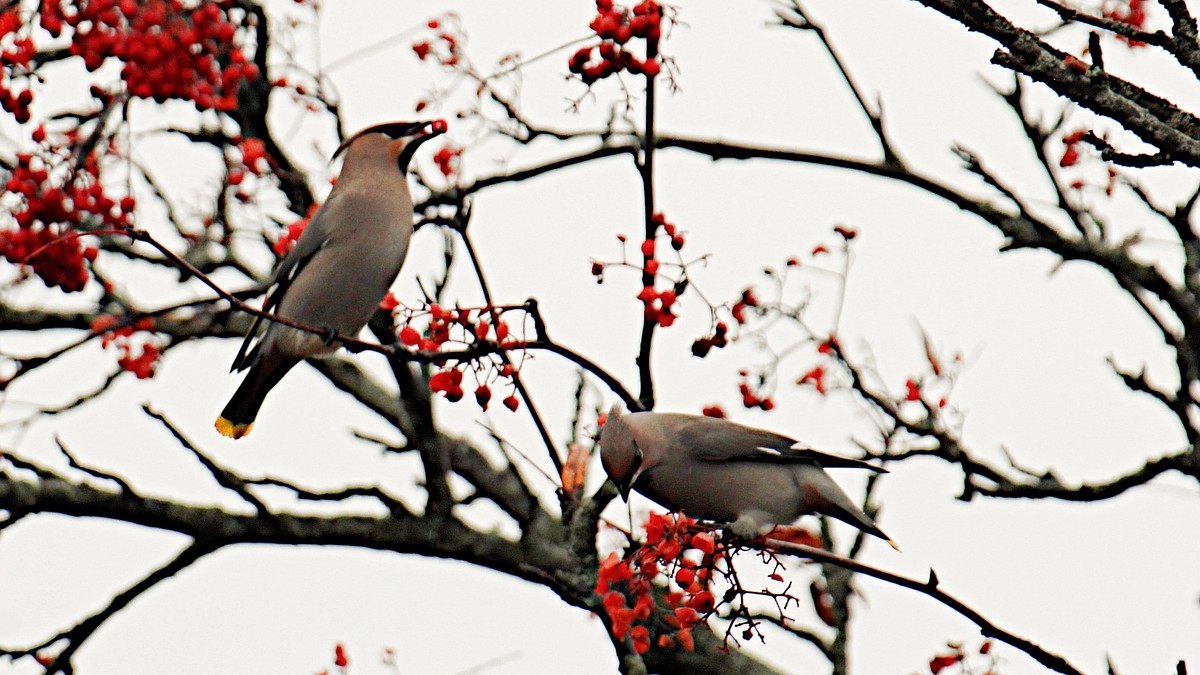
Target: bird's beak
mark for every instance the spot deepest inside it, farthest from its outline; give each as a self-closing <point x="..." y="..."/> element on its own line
<point x="427" y="131"/>
<point x="623" y="488"/>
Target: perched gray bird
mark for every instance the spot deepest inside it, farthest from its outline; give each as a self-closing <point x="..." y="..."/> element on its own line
<point x="718" y="470"/>
<point x="341" y="267"/>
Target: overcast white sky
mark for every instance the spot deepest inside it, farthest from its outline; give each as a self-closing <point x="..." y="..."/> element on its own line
<point x="1117" y="578"/>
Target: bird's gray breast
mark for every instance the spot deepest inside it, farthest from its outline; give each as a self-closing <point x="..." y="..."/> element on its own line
<point x="350" y="273"/>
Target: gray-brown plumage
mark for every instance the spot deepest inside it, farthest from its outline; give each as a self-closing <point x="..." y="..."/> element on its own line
<point x="341" y="267"/>
<point x="719" y="470"/>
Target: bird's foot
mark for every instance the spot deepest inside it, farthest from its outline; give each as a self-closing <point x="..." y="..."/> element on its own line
<point x="745" y="527"/>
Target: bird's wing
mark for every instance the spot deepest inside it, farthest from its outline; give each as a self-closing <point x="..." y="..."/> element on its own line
<point x="715" y="440"/>
<point x="315" y="237"/>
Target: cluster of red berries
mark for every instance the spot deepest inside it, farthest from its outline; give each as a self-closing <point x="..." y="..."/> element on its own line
<point x="616" y="28"/>
<point x="464" y="327"/>
<point x="168" y="50"/>
<point x="299" y="93"/>
<point x="959" y="656"/>
<point x="476" y="326"/>
<point x="138" y="356"/>
<point x="246" y="156"/>
<point x="720" y="338"/>
<point x="254" y="155"/>
<point x="1132" y="12"/>
<point x="739" y="308"/>
<point x="447" y="160"/>
<point x="1072" y="141"/>
<point x="846" y="233"/>
<point x="657" y="304"/>
<point x="751" y="396"/>
<point x="669" y="229"/>
<point x="448" y="382"/>
<point x="47" y="217"/>
<point x="815" y="377"/>
<point x="626" y="585"/>
<point x="445" y="47"/>
<point x="16" y="56"/>
<point x="287" y="241"/>
<point x="57" y="261"/>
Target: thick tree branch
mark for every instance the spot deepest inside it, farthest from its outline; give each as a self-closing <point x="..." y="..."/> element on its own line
<point x="1157" y="121"/>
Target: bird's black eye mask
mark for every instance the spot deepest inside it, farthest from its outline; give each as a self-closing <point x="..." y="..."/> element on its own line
<point x="636" y="469"/>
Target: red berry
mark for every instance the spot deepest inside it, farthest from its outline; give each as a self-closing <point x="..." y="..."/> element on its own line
<point x="409" y="336"/>
<point x="483" y="395"/>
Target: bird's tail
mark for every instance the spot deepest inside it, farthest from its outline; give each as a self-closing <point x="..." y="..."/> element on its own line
<point x="850" y="513"/>
<point x="237" y="419"/>
<point x="837" y="504"/>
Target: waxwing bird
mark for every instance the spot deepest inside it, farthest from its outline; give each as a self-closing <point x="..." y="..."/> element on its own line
<point x="341" y="267"/>
<point x="718" y="470"/>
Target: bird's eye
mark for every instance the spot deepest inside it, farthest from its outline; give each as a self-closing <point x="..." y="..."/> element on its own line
<point x="637" y="457"/>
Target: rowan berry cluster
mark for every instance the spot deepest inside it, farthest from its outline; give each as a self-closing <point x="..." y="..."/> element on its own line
<point x="464" y="329"/>
<point x="447" y="160"/>
<point x="675" y="549"/>
<point x="933" y="388"/>
<point x="1131" y="12"/>
<point x="1074" y="146"/>
<point x="168" y="50"/>
<point x="755" y="396"/>
<point x="48" y="216"/>
<point x="136" y="343"/>
<point x="16" y="56"/>
<point x="656" y="304"/>
<point x="617" y="27"/>
<point x="960" y="659"/>
<point x="738" y="310"/>
<point x="720" y="338"/>
<point x="1072" y="143"/>
<point x="445" y="47"/>
<point x="287" y="241"/>
<point x="246" y="157"/>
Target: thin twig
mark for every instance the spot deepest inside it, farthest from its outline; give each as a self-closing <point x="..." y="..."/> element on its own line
<point x="933" y="590"/>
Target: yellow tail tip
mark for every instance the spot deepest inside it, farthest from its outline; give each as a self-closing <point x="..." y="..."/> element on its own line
<point x="889" y="541"/>
<point x="227" y="428"/>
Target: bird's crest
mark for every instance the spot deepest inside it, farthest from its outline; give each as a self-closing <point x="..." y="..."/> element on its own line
<point x="393" y="130"/>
